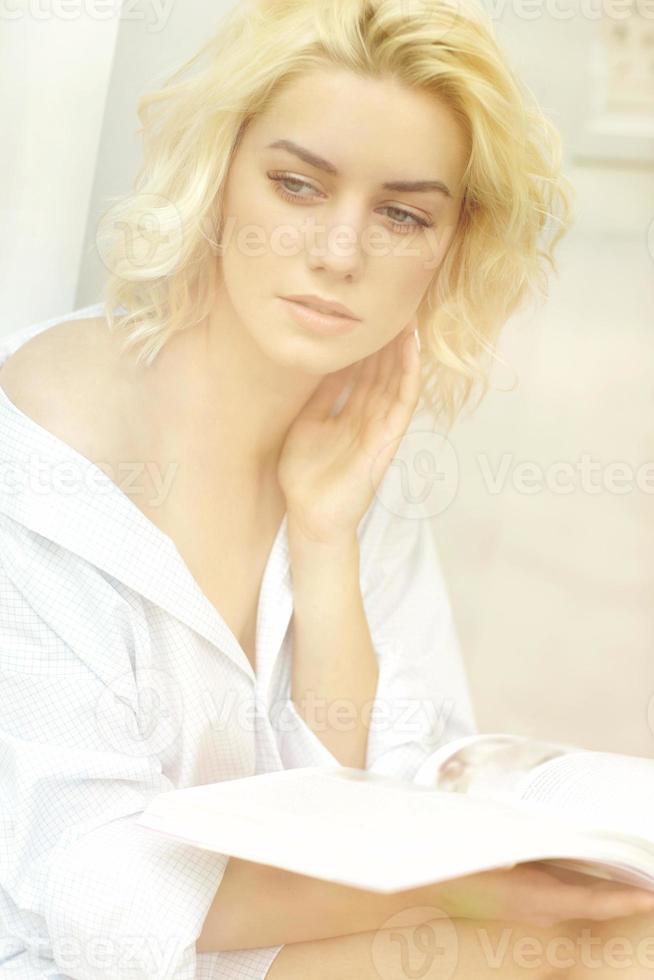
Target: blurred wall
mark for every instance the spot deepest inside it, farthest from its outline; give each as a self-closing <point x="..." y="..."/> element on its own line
<point x="55" y="76"/>
<point x="147" y="51"/>
<point x="548" y="543"/>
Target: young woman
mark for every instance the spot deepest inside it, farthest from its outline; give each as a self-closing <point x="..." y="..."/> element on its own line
<point x="205" y="548"/>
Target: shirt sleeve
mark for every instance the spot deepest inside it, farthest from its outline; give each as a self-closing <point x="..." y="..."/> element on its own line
<point x="423" y="701"/>
<point x="297" y="742"/>
<point x="81" y="883"/>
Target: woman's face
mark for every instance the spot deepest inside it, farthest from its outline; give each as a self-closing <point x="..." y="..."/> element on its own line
<point x="294" y="226"/>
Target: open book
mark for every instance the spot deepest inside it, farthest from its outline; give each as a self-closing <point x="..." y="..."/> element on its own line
<point x="483" y="802"/>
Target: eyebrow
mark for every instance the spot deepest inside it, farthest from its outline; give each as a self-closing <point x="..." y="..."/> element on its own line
<point x="405" y="186"/>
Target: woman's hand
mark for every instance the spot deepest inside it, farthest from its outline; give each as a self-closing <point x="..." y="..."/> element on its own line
<point x="330" y="467"/>
<point x="529" y="893"/>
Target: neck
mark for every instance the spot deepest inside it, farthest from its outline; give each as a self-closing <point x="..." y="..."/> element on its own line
<point x="222" y="403"/>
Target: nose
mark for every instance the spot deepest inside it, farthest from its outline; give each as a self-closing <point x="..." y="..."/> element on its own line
<point x="335" y="246"/>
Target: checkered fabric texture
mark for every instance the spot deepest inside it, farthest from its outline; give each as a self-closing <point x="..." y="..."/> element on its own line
<point x="119" y="680"/>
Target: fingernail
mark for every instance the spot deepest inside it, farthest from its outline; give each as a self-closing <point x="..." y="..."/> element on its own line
<point x="417" y="336"/>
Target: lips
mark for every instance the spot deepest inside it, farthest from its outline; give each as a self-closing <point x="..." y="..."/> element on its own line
<point x="323" y="306"/>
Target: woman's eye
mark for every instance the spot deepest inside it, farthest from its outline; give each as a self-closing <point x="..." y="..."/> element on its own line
<point x="280" y="180"/>
<point x="419" y="222"/>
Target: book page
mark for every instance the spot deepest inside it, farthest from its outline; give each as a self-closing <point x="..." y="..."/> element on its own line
<point x="514" y="767"/>
<point x="491" y="766"/>
<point x="603" y="790"/>
<point x="608" y="792"/>
<point x="366" y="830"/>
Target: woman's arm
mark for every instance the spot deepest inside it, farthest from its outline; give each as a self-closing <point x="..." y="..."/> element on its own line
<point x="329" y="469"/>
<point x="335" y="669"/>
<point x="258" y="905"/>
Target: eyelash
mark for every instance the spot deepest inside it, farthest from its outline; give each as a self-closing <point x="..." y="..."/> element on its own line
<point x="400" y="226"/>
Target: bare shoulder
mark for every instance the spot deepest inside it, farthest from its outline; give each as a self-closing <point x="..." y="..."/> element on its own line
<point x="68" y="380"/>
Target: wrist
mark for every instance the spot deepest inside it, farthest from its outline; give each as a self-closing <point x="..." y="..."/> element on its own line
<point x="324" y="574"/>
<point x="337" y="548"/>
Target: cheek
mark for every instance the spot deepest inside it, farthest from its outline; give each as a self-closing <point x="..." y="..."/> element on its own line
<point x="263" y="212"/>
<point x="251" y="242"/>
<point x="250" y="210"/>
<point x="405" y="275"/>
<point x="241" y="281"/>
<point x="432" y="252"/>
<point x="402" y="292"/>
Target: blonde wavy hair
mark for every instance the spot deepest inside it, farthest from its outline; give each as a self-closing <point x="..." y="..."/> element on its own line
<point x="516" y="203"/>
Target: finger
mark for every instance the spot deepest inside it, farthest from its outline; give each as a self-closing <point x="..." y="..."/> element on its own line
<point x="388" y="378"/>
<point x="379" y="371"/>
<point x="622" y="901"/>
<point x="579" y="901"/>
<point x="388" y="363"/>
<point x="400" y="357"/>
<point x="377" y="402"/>
<point x="365" y="380"/>
<point x="407" y="394"/>
<point x="394" y="375"/>
<point x="321" y="402"/>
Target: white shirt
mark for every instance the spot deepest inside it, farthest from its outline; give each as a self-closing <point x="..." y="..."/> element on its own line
<point x="120" y="680"/>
